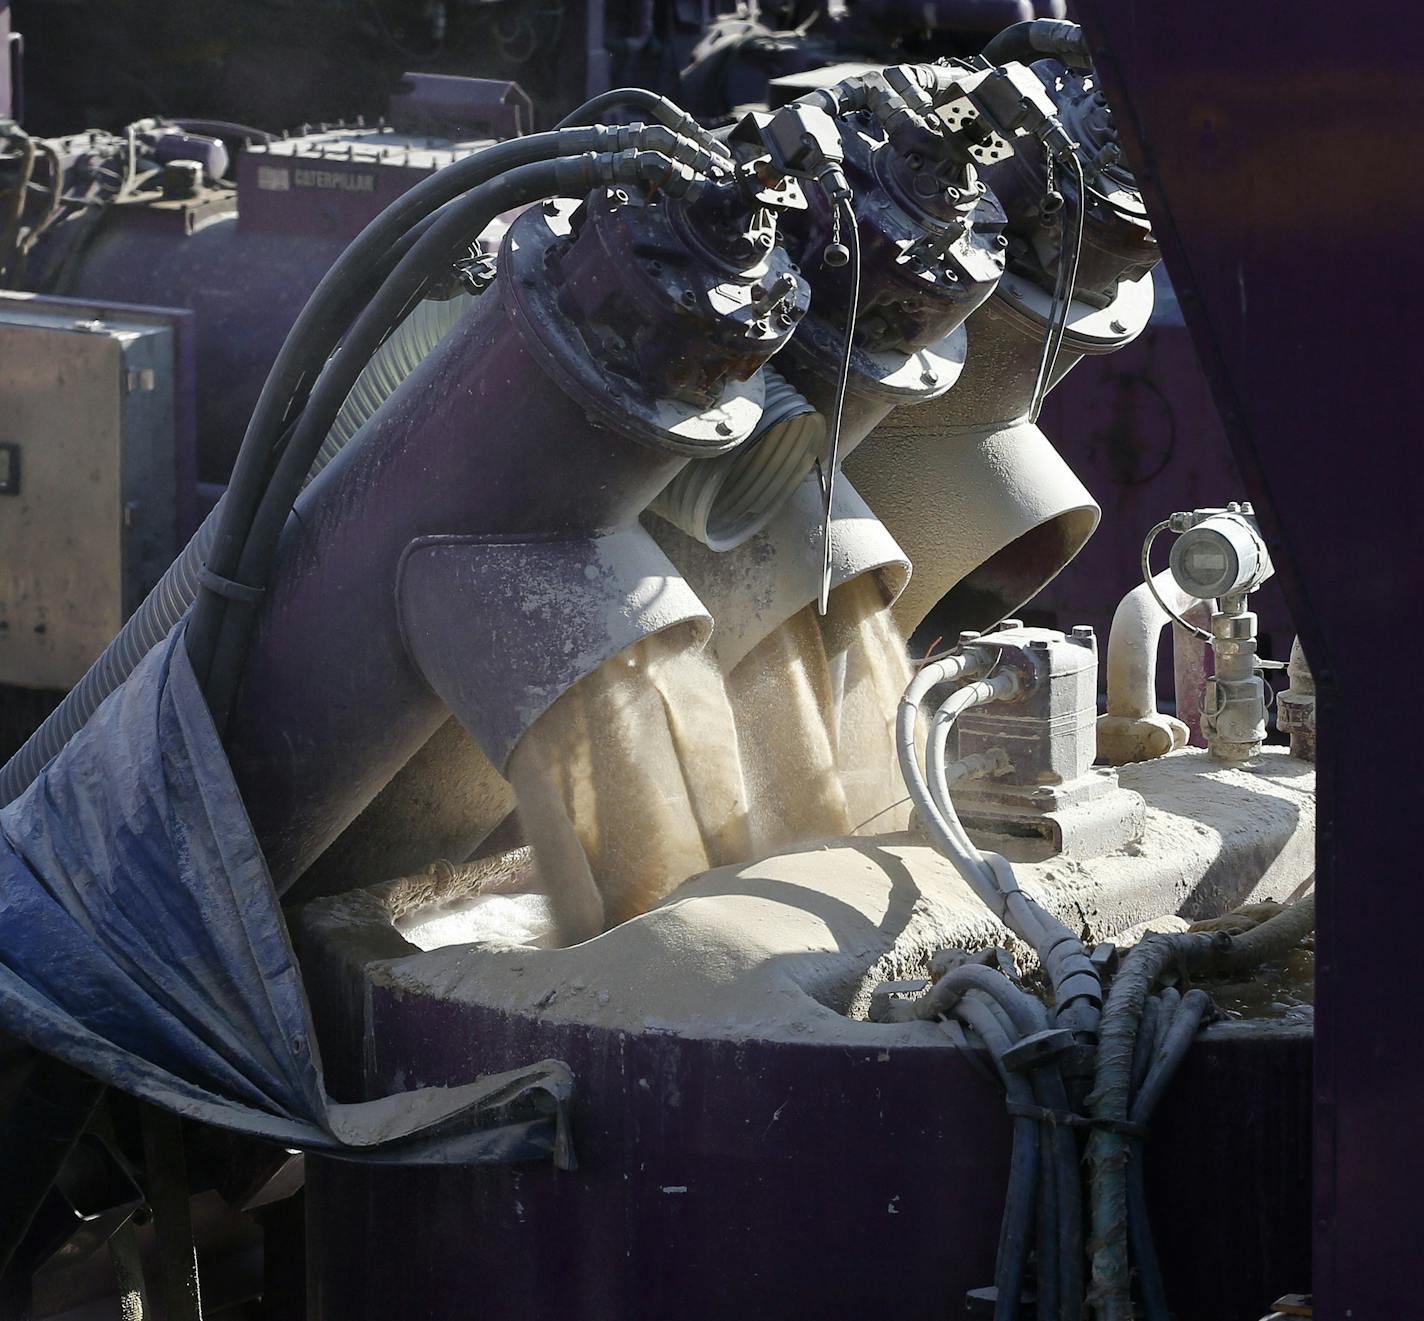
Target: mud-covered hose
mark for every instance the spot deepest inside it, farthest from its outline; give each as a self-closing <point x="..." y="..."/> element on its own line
<point x="1195" y="953"/>
<point x="1038" y="39"/>
<point x="1016" y="1229"/>
<point x="1170" y="1049"/>
<point x="1029" y="1017"/>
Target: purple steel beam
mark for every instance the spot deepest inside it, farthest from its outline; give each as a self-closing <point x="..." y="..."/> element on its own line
<point x="8" y="61"/>
<point x="1277" y="148"/>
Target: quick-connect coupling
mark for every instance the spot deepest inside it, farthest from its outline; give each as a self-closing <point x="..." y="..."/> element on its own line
<point x="685" y="150"/>
<point x="602" y="139"/>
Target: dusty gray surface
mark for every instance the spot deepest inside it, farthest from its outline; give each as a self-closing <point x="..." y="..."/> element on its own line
<point x="783" y="949"/>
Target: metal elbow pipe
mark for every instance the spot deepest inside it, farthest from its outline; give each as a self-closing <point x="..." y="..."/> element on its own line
<point x="985" y="507"/>
<point x="1132" y="729"/>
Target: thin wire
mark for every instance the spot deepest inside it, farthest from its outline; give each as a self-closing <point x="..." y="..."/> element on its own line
<point x="1152" y="536"/>
<point x="1064" y="287"/>
<point x="845" y="217"/>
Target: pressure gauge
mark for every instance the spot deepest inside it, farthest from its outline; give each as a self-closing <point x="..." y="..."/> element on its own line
<point x="1223" y="555"/>
<point x="1219" y="557"/>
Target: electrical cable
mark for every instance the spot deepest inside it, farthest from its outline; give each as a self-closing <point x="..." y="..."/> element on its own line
<point x="1060" y="306"/>
<point x="1193" y="629"/>
<point x="845" y="217"/>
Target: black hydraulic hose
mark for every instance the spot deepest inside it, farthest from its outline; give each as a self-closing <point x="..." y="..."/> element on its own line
<point x="1166" y="1059"/>
<point x="1037" y="39"/>
<point x="1167" y="1000"/>
<point x="320" y="325"/>
<point x="218" y="629"/>
<point x="1017" y="1228"/>
<point x="220" y="626"/>
<point x="1048" y="1268"/>
<point x="1146" y="1039"/>
<point x="1028" y="1017"/>
<point x="657" y="108"/>
<point x="338" y="298"/>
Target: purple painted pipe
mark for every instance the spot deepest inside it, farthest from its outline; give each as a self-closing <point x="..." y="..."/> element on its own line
<point x="478" y="541"/>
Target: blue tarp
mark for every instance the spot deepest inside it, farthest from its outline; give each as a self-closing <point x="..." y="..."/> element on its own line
<point x="141" y="941"/>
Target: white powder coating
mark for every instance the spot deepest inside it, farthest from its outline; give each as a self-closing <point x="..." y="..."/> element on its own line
<point x="498" y="919"/>
<point x="789" y="948"/>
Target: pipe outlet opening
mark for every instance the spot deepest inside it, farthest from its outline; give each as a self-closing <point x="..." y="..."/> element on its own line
<point x="725" y="501"/>
<point x="1014" y="574"/>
